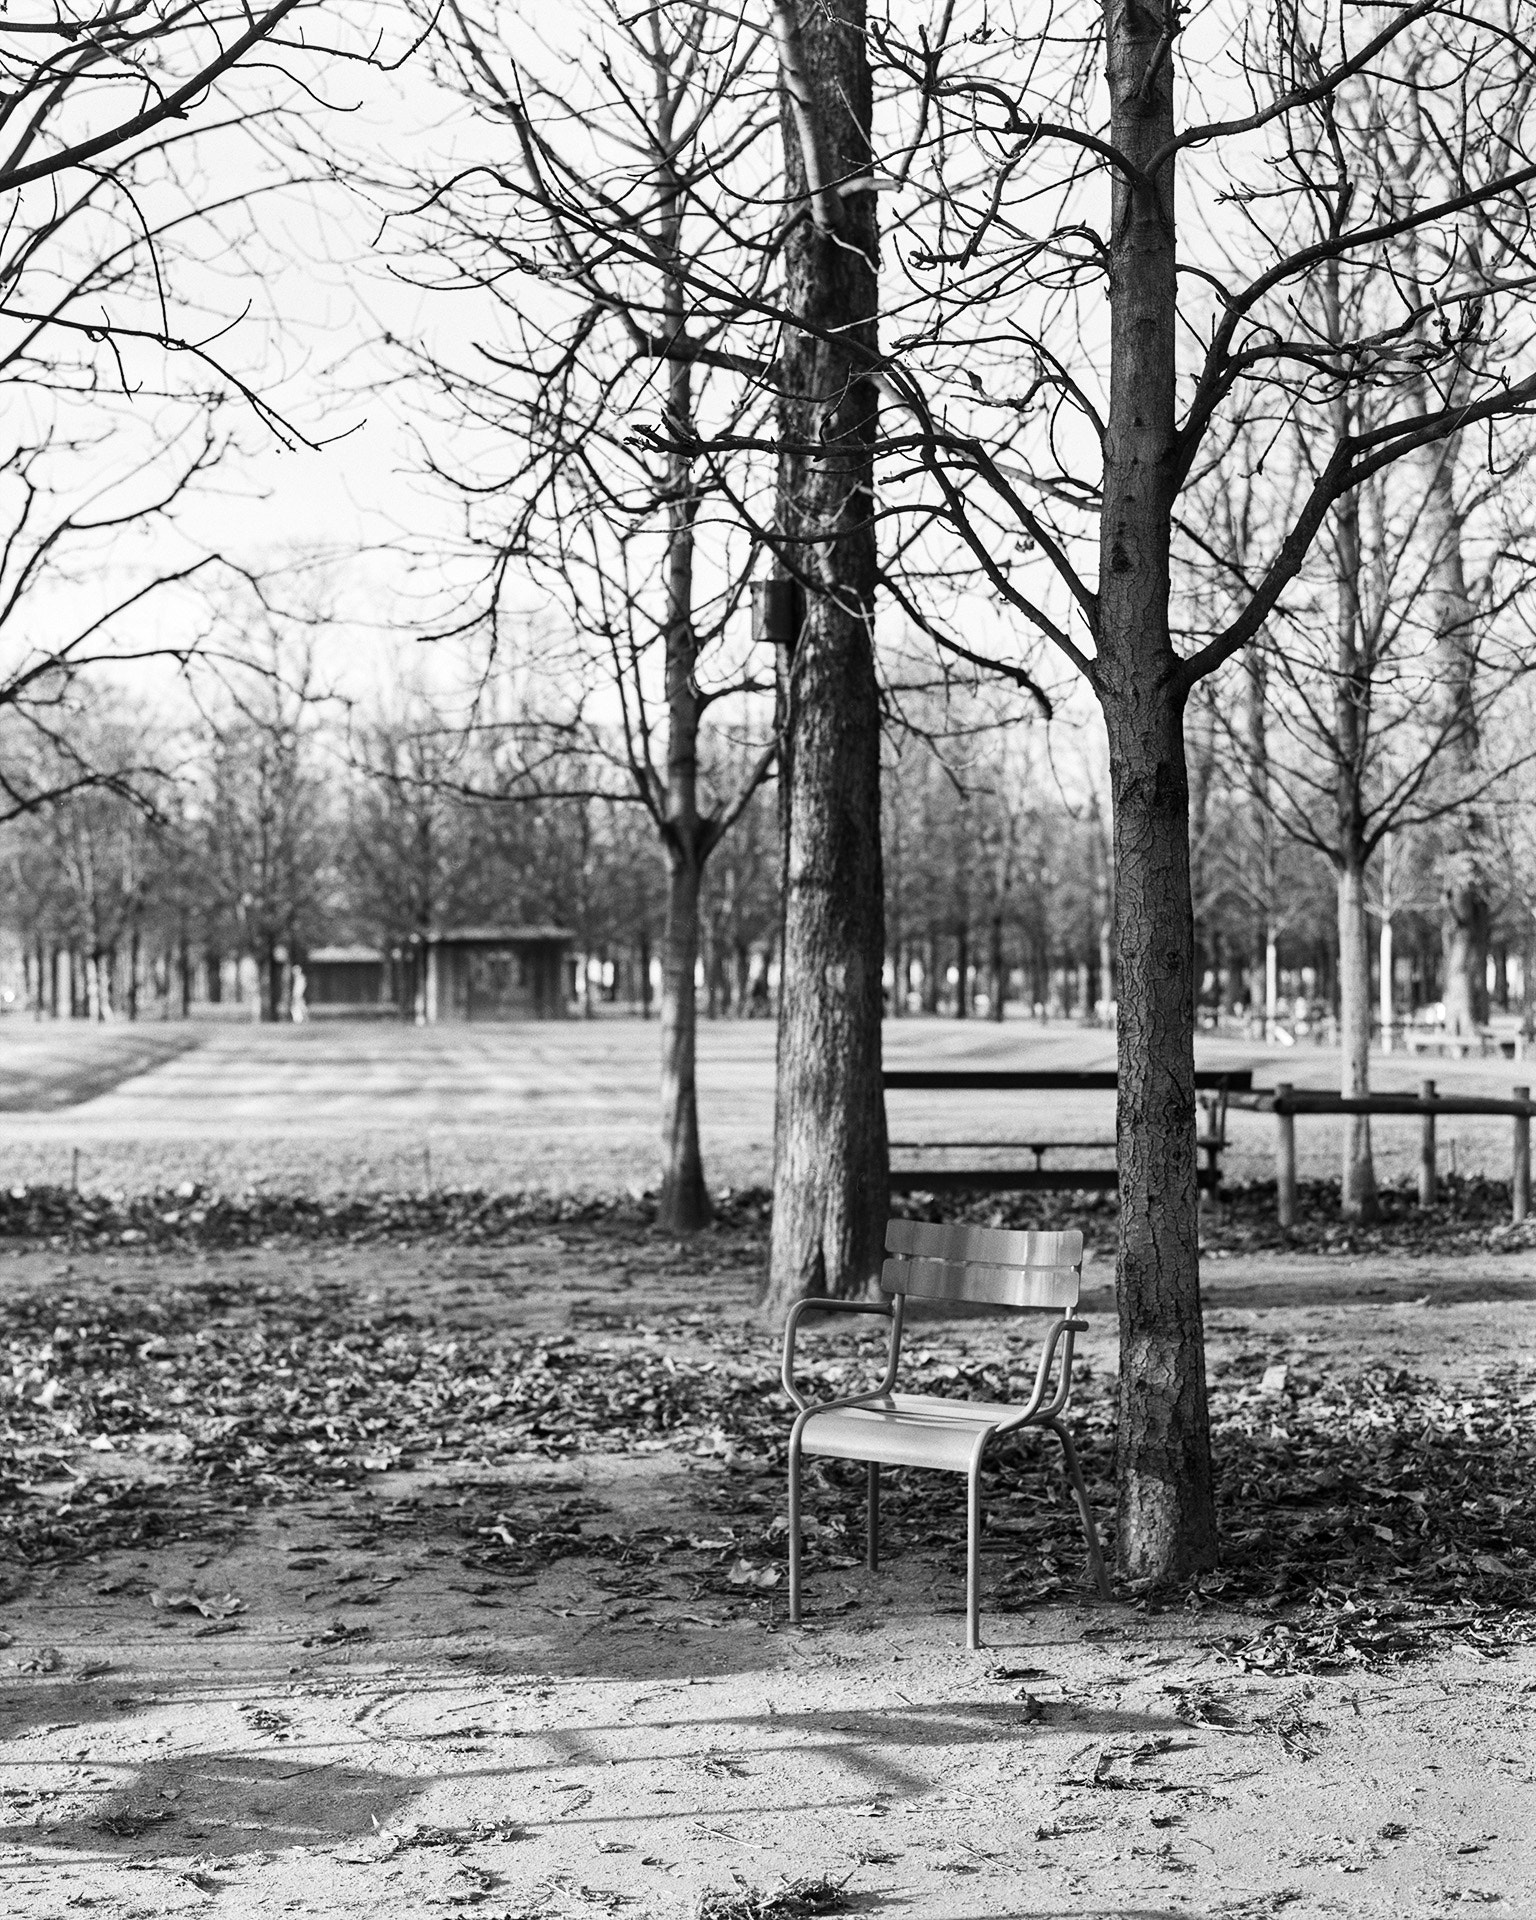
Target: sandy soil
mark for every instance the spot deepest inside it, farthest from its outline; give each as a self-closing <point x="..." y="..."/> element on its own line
<point x="381" y="1730"/>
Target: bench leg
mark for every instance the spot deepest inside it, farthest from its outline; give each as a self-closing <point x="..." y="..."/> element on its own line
<point x="872" y="1519"/>
<point x="973" y="1558"/>
<point x="794" y="1534"/>
<point x="1080" y="1491"/>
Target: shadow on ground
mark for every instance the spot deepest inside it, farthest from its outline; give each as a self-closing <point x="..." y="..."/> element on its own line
<point x="58" y="1066"/>
<point x="231" y="1803"/>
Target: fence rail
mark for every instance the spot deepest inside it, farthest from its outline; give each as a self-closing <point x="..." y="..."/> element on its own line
<point x="1287" y="1101"/>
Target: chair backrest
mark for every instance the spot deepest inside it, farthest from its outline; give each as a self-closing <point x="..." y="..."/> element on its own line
<point x="991" y="1266"/>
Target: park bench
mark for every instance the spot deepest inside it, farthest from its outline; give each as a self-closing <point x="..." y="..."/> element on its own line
<point x="1027" y="1272"/>
<point x="1214" y="1090"/>
<point x="1457" y="1046"/>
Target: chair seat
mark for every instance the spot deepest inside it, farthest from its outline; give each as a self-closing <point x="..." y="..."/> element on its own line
<point x="905" y="1430"/>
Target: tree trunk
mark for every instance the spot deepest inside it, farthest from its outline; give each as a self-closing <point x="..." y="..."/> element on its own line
<point x="684" y="1204"/>
<point x="962" y="972"/>
<point x="687" y="837"/>
<point x="1467" y="916"/>
<point x="831" y="1166"/>
<point x="1358" y="1192"/>
<point x="1167" y="1519"/>
<point x="270" y="985"/>
<point x="999" y="993"/>
<point x="1353" y="682"/>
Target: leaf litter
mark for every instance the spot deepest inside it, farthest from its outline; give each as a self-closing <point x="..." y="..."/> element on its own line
<point x="1368" y="1513"/>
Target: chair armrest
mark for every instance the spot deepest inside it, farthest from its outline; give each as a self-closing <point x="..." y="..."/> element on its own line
<point x="819" y="1304"/>
<point x="1036" y="1407"/>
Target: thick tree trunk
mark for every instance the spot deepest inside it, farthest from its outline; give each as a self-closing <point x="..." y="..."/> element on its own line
<point x="831" y="1167"/>
<point x="1167" y="1521"/>
<point x="999" y="988"/>
<point x="684" y="1204"/>
<point x="1166" y="1498"/>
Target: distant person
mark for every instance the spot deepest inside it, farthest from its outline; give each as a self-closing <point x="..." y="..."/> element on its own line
<point x="296" y="997"/>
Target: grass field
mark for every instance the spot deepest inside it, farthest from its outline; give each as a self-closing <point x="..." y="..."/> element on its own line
<point x="337" y="1106"/>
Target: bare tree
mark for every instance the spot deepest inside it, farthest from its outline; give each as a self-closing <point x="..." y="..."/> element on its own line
<point x="831" y="1163"/>
<point x="267" y="829"/>
<point x="623" y="181"/>
<point x="132" y="150"/>
<point x="1119" y="374"/>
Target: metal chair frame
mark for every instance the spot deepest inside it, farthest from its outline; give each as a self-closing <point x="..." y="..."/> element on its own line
<point x="1025" y="1271"/>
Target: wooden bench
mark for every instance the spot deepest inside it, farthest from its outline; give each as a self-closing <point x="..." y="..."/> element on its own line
<point x="1213" y="1090"/>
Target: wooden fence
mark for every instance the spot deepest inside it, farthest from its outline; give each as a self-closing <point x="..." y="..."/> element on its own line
<point x="1287" y="1101"/>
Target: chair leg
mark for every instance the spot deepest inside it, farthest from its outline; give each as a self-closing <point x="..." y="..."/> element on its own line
<point x="1080" y="1491"/>
<point x="794" y="1535"/>
<point x="872" y="1519"/>
<point x="973" y="1558"/>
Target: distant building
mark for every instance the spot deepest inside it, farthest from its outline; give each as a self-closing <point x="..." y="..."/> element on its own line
<point x="493" y="973"/>
<point x="346" y="980"/>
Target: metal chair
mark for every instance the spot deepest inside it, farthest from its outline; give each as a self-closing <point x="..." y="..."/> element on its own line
<point x="1039" y="1272"/>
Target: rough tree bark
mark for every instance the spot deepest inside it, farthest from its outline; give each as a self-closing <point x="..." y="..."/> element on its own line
<point x="1167" y="1523"/>
<point x="831" y="1166"/>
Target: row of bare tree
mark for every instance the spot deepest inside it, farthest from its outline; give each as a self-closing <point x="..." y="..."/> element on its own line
<point x="1151" y="331"/>
<point x="1176" y="354"/>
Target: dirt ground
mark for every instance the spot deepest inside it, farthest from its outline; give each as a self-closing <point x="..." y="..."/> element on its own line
<point x="350" y="1719"/>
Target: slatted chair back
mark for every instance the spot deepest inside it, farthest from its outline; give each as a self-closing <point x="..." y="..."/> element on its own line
<point x="983" y="1266"/>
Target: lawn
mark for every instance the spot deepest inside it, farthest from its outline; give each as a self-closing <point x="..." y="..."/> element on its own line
<point x="338" y="1107"/>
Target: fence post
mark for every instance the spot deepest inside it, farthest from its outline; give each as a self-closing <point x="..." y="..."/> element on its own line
<point x="1520" y="1182"/>
<point x="1427" y="1149"/>
<point x="1285" y="1158"/>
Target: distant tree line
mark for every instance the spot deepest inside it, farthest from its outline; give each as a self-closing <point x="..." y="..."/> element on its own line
<point x="208" y="858"/>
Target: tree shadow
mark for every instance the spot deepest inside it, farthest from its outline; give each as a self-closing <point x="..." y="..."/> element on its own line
<point x="231" y="1803"/>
